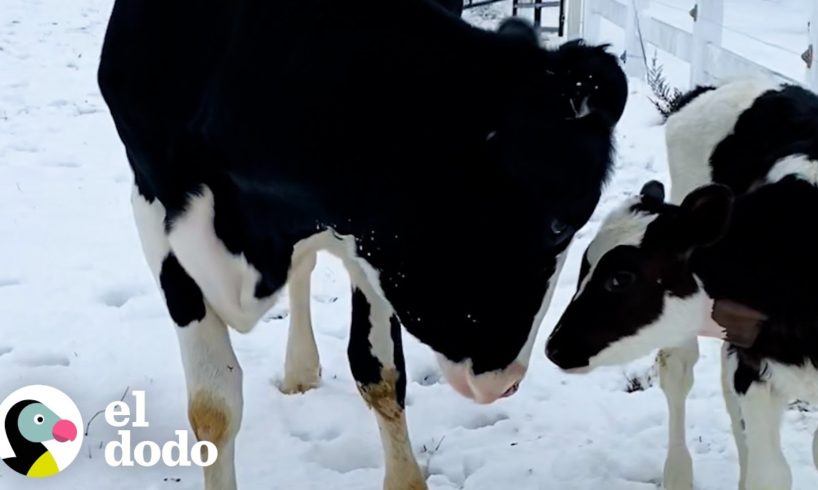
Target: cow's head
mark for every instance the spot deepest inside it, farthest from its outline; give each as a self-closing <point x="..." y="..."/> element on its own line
<point x="637" y="291"/>
<point x="555" y="134"/>
<point x="554" y="143"/>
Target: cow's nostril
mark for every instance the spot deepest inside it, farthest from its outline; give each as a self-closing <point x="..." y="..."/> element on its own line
<point x="512" y="389"/>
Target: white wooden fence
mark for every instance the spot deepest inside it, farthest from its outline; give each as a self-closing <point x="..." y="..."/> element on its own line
<point x="709" y="60"/>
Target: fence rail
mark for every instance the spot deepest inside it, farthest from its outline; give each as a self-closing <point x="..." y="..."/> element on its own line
<point x="709" y="60"/>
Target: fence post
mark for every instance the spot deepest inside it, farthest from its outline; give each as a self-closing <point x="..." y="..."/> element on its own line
<point x="811" y="54"/>
<point x="634" y="44"/>
<point x="590" y="21"/>
<point x="573" y="19"/>
<point x="708" y="17"/>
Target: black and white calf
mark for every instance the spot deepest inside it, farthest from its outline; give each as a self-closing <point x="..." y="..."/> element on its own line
<point x="261" y="132"/>
<point x="652" y="274"/>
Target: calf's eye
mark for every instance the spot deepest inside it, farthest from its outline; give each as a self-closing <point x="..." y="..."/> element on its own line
<point x="39" y="419"/>
<point x="620" y="281"/>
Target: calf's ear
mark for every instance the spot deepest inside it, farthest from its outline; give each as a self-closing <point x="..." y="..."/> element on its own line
<point x="705" y="215"/>
<point x="516" y="28"/>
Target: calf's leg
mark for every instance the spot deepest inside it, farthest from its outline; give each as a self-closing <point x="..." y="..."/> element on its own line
<point x="376" y="359"/>
<point x="729" y="365"/>
<point x="762" y="408"/>
<point x="676" y="379"/>
<point x="302" y="367"/>
<point x="212" y="372"/>
<point x="815" y="448"/>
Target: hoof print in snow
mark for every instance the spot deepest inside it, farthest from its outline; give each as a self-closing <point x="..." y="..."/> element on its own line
<point x="62" y="164"/>
<point x="116" y="298"/>
<point x="276" y="314"/>
<point x="5" y="350"/>
<point x="484" y="420"/>
<point x="327" y="434"/>
<point x="427" y="377"/>
<point x="8" y="282"/>
<point x="325" y="298"/>
<point x="44" y="360"/>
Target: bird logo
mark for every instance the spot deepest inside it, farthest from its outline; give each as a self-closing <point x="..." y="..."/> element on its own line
<point x="40" y="427"/>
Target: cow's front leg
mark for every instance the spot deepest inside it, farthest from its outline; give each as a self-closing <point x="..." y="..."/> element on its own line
<point x="212" y="373"/>
<point x="376" y="359"/>
<point x="302" y="368"/>
<point x="676" y="378"/>
<point x="762" y="408"/>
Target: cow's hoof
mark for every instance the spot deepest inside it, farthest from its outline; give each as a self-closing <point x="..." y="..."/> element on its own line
<point x="414" y="484"/>
<point x="678" y="484"/>
<point x="300" y="382"/>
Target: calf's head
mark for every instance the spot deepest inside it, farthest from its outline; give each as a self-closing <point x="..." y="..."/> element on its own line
<point x="637" y="291"/>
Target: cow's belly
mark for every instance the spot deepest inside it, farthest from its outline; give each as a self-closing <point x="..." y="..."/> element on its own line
<point x="227" y="281"/>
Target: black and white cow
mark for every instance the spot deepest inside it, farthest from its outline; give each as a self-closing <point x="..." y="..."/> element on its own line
<point x="261" y="132"/>
<point x="651" y="276"/>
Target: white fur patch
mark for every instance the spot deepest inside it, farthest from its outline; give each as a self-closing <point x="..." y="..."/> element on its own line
<point x="679" y="322"/>
<point x="150" y="221"/>
<point x="621" y="227"/>
<point x="796" y="165"/>
<point x="694" y="132"/>
<point x="793" y="382"/>
<point x="227" y="281"/>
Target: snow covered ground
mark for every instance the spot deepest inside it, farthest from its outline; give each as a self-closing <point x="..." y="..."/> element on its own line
<point x="80" y="312"/>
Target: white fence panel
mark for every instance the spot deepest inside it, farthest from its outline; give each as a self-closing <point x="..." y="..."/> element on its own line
<point x="725" y="65"/>
<point x="635" y="54"/>
<point x="710" y="61"/>
<point x="708" y="16"/>
<point x="811" y="54"/>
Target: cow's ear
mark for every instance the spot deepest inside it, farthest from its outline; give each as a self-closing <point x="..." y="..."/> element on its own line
<point x="705" y="215"/>
<point x="653" y="190"/>
<point x="516" y="28"/>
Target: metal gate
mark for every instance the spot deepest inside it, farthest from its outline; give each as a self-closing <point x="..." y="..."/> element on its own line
<point x="536" y="5"/>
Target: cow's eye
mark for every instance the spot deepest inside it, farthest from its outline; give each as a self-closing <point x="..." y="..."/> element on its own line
<point x="558" y="227"/>
<point x="39" y="419"/>
<point x="620" y="281"/>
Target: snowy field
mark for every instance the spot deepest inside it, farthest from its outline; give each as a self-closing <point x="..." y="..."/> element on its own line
<point x="80" y="312"/>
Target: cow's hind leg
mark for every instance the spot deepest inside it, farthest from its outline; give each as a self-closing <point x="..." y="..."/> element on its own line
<point x="302" y="368"/>
<point x="762" y="408"/>
<point x="676" y="378"/>
<point x="729" y="364"/>
<point x="212" y="372"/>
<point x="376" y="359"/>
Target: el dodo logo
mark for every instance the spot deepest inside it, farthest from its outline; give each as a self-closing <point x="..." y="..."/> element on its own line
<point x="38" y="434"/>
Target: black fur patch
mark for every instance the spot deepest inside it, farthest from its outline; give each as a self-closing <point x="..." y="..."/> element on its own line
<point x="366" y="368"/>
<point x="778" y="124"/>
<point x="768" y="262"/>
<point x="680" y="102"/>
<point x="183" y="297"/>
<point x="400" y="361"/>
